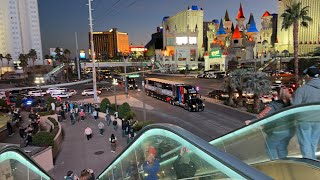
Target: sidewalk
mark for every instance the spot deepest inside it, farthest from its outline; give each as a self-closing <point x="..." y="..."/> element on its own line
<point x="77" y="153"/>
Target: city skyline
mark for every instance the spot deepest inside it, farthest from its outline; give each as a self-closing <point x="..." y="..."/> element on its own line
<point x="58" y="26"/>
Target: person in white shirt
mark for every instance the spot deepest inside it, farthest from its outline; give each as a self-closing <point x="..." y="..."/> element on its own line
<point x="88" y="133"/>
<point x="101" y="128"/>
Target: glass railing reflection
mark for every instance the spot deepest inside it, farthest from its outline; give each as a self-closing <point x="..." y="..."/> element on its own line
<point x="144" y="159"/>
<point x="275" y="137"/>
<point x="15" y="166"/>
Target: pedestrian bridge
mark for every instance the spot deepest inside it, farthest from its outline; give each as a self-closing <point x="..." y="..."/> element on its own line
<point x="115" y="64"/>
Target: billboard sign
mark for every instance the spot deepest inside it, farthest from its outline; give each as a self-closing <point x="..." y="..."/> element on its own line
<point x="82" y="54"/>
<point x="53" y="53"/>
<point x="182" y="54"/>
<point x="170" y="41"/>
<point x="215" y="53"/>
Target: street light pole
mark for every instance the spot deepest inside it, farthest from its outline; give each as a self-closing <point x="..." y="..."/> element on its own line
<point x="92" y="54"/>
<point x="77" y="53"/>
<point x="125" y="77"/>
<point x="144" y="105"/>
<point x="115" y="83"/>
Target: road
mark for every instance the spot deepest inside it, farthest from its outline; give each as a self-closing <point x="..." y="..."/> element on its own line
<point x="215" y="121"/>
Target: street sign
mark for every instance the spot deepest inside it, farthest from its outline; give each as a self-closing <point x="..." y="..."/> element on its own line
<point x="215" y="53"/>
<point x="134" y="76"/>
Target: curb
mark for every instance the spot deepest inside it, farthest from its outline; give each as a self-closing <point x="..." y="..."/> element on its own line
<point x="210" y="100"/>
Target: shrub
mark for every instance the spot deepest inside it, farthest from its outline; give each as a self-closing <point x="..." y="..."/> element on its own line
<point x="3" y="103"/>
<point x="130" y="115"/>
<point x="139" y="125"/>
<point x="123" y="109"/>
<point x="43" y="139"/>
<point x="103" y="104"/>
<point x="50" y="100"/>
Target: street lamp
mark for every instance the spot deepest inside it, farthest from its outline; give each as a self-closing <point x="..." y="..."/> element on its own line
<point x="144" y="105"/>
<point x="115" y="84"/>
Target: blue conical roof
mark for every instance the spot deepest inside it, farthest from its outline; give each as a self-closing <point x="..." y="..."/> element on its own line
<point x="221" y="28"/>
<point x="252" y="27"/>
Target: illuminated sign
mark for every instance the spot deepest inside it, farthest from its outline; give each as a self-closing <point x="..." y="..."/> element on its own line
<point x="82" y="54"/>
<point x="215" y="53"/>
<point x="53" y="53"/>
<point x="138" y="49"/>
<point x="134" y="76"/>
<point x="170" y="41"/>
<point x="182" y="54"/>
<point x="181" y="40"/>
<point x="192" y="40"/>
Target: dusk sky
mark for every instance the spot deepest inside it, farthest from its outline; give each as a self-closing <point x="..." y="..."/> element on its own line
<point x="60" y="19"/>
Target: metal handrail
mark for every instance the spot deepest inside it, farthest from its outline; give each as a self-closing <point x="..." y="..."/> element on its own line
<point x="227" y="160"/>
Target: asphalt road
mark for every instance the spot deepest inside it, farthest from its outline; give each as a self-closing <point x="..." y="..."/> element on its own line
<point x="215" y="121"/>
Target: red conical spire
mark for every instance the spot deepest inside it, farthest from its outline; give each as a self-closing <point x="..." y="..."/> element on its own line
<point x="236" y="34"/>
<point x="240" y="13"/>
<point x="266" y="14"/>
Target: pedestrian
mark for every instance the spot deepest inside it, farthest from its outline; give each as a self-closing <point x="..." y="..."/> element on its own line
<point x="53" y="106"/>
<point x="113" y="141"/>
<point x="9" y="128"/>
<point x="279" y="132"/>
<point x="28" y="139"/>
<point x="87" y="174"/>
<point x="82" y="115"/>
<point x="64" y="106"/>
<point x="63" y="115"/>
<point x="71" y="105"/>
<point x="107" y="109"/>
<point x="108" y="119"/>
<point x="22" y="132"/>
<point x="308" y="129"/>
<point x="95" y="114"/>
<point x="115" y="124"/>
<point x="71" y="176"/>
<point x="101" y="128"/>
<point x="72" y="118"/>
<point x="88" y="132"/>
<point x="123" y="127"/>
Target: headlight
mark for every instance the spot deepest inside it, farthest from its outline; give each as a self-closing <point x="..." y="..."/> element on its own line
<point x="194" y="106"/>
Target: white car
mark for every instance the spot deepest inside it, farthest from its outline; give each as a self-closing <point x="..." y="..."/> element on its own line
<point x="61" y="95"/>
<point x="266" y="99"/>
<point x="36" y="93"/>
<point x="72" y="92"/>
<point x="88" y="92"/>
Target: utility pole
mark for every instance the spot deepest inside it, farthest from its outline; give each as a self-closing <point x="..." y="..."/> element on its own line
<point x="92" y="54"/>
<point x="125" y="77"/>
<point x="144" y="105"/>
<point x="77" y="53"/>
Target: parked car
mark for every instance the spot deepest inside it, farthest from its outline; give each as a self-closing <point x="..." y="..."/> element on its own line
<point x="266" y="98"/>
<point x="88" y="92"/>
<point x="52" y="89"/>
<point x="201" y="76"/>
<point x="72" y="92"/>
<point x="61" y="95"/>
<point x="218" y="94"/>
<point x="104" y="88"/>
<point x="37" y="93"/>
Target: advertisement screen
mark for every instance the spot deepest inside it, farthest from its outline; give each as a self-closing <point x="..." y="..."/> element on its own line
<point x="192" y="54"/>
<point x="82" y="55"/>
<point x="192" y="40"/>
<point x="170" y="41"/>
<point x="181" y="40"/>
<point x="182" y="54"/>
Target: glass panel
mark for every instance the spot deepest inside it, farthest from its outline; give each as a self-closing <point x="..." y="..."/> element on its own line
<point x="14" y="166"/>
<point x="161" y="154"/>
<point x="276" y="137"/>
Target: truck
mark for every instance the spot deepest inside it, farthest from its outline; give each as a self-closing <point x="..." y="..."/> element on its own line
<point x="131" y="81"/>
<point x="175" y="93"/>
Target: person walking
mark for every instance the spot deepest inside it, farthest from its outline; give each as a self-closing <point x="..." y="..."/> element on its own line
<point x="123" y="127"/>
<point x="72" y="118"/>
<point x="108" y="119"/>
<point x="95" y="114"/>
<point x="113" y="141"/>
<point x="115" y="124"/>
<point x="82" y="115"/>
<point x="71" y="176"/>
<point x="88" y="133"/>
<point x="101" y="128"/>
<point x="9" y="128"/>
<point x="308" y="130"/>
<point x="28" y="139"/>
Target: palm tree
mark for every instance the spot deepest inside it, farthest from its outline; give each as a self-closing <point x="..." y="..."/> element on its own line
<point x="58" y="56"/>
<point x="295" y="15"/>
<point x="66" y="54"/>
<point x="9" y="58"/>
<point x="258" y="84"/>
<point x="33" y="55"/>
<point x="23" y="61"/>
<point x="236" y="82"/>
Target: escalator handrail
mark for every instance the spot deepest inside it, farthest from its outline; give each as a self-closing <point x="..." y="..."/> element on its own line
<point x="266" y="117"/>
<point x="16" y="149"/>
<point x="229" y="161"/>
<point x="311" y="162"/>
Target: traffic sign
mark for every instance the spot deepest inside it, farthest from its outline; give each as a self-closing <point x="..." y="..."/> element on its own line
<point x="134" y="76"/>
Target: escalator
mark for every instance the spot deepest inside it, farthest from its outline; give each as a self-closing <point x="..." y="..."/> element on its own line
<point x="268" y="64"/>
<point x="55" y="71"/>
<point x="16" y="165"/>
<point x="164" y="151"/>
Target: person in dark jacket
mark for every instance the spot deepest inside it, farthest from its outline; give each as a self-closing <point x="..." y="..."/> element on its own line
<point x="183" y="165"/>
<point x="9" y="128"/>
<point x="308" y="129"/>
<point x="280" y="131"/>
<point x="123" y="126"/>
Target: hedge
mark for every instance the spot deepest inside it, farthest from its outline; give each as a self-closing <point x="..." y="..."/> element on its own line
<point x="139" y="125"/>
<point x="103" y="105"/>
<point x="123" y="110"/>
<point x="43" y="139"/>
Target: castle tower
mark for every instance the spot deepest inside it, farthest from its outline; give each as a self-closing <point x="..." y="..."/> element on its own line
<point x="227" y="22"/>
<point x="252" y="30"/>
<point x="266" y="32"/>
<point x="240" y="19"/>
<point x="236" y="39"/>
<point x="221" y="34"/>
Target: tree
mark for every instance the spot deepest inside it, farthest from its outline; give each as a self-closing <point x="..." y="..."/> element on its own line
<point x="33" y="55"/>
<point x="123" y="109"/>
<point x="66" y="60"/>
<point x="23" y="61"/>
<point x="236" y="82"/>
<point x="303" y="64"/>
<point x="9" y="58"/>
<point x="232" y="64"/>
<point x="104" y="103"/>
<point x="296" y="15"/>
<point x="258" y="84"/>
<point x="58" y="56"/>
<point x="151" y="51"/>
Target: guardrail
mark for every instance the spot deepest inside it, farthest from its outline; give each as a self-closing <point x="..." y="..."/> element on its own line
<point x="48" y="86"/>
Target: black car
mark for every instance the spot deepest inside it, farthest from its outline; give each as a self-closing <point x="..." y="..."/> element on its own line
<point x="218" y="94"/>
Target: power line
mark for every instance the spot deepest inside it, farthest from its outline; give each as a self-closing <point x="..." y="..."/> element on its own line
<point x="107" y="12"/>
